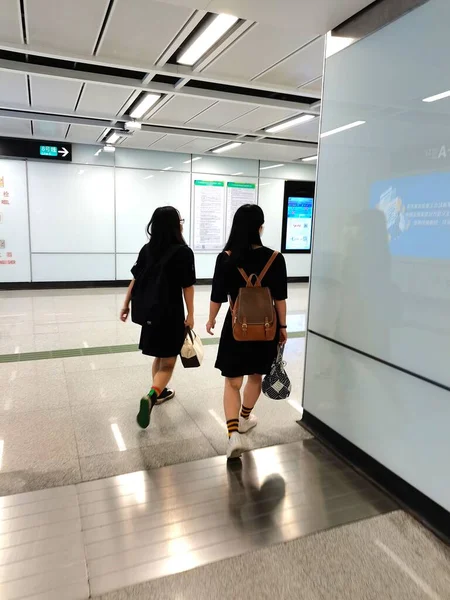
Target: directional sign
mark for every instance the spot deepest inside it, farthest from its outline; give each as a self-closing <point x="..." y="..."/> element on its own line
<point x="59" y="151"/>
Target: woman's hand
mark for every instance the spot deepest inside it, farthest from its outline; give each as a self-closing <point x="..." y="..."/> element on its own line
<point x="189" y="322"/>
<point x="124" y="312"/>
<point x="210" y="326"/>
<point x="283" y="337"/>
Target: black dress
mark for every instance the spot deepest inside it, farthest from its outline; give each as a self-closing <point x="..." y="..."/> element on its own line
<point x="165" y="337"/>
<point x="236" y="359"/>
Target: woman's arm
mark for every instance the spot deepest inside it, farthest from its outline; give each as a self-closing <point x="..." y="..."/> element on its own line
<point x="281" y="307"/>
<point x="125" y="311"/>
<point x="214" y="308"/>
<point x="189" y="299"/>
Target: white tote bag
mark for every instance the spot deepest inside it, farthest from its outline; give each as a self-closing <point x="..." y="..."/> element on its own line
<point x="192" y="351"/>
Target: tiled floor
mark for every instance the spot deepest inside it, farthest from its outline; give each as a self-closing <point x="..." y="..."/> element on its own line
<point x="68" y="420"/>
<point x="98" y="536"/>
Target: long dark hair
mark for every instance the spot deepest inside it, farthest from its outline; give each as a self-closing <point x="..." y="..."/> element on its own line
<point x="245" y="232"/>
<point x="164" y="231"/>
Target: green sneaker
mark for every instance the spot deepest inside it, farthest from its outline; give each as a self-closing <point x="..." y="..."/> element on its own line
<point x="145" y="410"/>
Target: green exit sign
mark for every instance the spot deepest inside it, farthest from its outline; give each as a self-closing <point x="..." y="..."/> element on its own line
<point x="48" y="150"/>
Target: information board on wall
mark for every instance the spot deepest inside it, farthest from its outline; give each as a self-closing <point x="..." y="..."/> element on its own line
<point x="238" y="194"/>
<point x="209" y="214"/>
<point x="14" y="231"/>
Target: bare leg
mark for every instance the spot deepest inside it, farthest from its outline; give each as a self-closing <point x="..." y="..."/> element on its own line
<point x="252" y="390"/>
<point x="232" y="398"/>
<point x="164" y="373"/>
<point x="155" y="367"/>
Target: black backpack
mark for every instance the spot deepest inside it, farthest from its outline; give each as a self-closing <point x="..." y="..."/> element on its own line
<point x="150" y="294"/>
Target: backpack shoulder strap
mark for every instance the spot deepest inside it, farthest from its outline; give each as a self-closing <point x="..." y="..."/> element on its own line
<point x="266" y="268"/>
<point x="245" y="276"/>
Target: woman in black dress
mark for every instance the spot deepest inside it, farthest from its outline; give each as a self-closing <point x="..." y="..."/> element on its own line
<point x="237" y="359"/>
<point x="163" y="274"/>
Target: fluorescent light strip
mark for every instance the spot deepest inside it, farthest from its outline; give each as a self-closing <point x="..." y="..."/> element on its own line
<point x="343" y="128"/>
<point x="437" y="97"/>
<point x="309" y="158"/>
<point x="144" y="105"/>
<point x="133" y="125"/>
<point x="215" y="30"/>
<point x="290" y="123"/>
<point x="112" y="138"/>
<point x="271" y="167"/>
<point x="188" y="162"/>
<point x="228" y="147"/>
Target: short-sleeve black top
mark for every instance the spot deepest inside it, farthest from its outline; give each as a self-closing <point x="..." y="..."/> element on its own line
<point x="165" y="339"/>
<point x="236" y="359"/>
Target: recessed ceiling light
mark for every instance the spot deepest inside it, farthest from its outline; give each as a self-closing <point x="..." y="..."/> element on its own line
<point x="343" y="128"/>
<point x="290" y="123"/>
<point x="272" y="167"/>
<point x="227" y="147"/>
<point x="144" y="105"/>
<point x="188" y="162"/>
<point x="109" y="149"/>
<point x="215" y="30"/>
<point x="167" y="168"/>
<point x="112" y="138"/>
<point x="133" y="125"/>
<point x="437" y="97"/>
<point x="309" y="158"/>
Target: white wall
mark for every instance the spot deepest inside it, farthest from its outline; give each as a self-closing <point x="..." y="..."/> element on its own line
<point x="380" y="278"/>
<point x="88" y="218"/>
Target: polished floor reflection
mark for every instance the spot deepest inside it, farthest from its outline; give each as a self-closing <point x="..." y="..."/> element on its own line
<point x="72" y="419"/>
<point x="103" y="535"/>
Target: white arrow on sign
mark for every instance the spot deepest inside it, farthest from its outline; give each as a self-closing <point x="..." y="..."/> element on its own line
<point x="64" y="152"/>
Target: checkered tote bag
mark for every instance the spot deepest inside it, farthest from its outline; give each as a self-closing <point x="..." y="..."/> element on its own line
<point x="276" y="385"/>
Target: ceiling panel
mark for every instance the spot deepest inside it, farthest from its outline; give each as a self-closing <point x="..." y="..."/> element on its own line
<point x="141" y="139"/>
<point x="307" y="132"/>
<point x="220" y="113"/>
<point x="314" y="86"/>
<point x="49" y="129"/>
<point x="271" y="152"/>
<point x="180" y="109"/>
<point x="13" y="90"/>
<point x="315" y="16"/>
<point x="49" y="93"/>
<point x="65" y="25"/>
<point x="86" y="134"/>
<point x="259" y="118"/>
<point x="200" y="145"/>
<point x="257" y="50"/>
<point x="97" y="99"/>
<point x="300" y="68"/>
<point x="11" y="127"/>
<point x="141" y="29"/>
<point x="171" y="142"/>
<point x="10" y="22"/>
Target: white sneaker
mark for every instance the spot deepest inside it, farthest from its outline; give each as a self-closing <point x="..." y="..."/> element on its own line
<point x="235" y="447"/>
<point x="247" y="424"/>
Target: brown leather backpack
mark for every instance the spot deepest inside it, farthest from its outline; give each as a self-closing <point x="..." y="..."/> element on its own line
<point x="254" y="314"/>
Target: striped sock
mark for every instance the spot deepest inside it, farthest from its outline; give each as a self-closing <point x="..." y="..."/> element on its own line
<point x="232" y="425"/>
<point x="245" y="412"/>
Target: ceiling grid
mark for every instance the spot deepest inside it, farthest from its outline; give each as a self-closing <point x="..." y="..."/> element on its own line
<point x="77" y="74"/>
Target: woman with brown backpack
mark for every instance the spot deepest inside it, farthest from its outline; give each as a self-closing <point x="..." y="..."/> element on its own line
<point x="254" y="280"/>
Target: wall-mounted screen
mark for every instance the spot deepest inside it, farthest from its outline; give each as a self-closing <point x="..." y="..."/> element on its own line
<point x="297" y="217"/>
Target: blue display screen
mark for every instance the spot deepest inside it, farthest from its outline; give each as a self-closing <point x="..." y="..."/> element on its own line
<point x="299" y="223"/>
